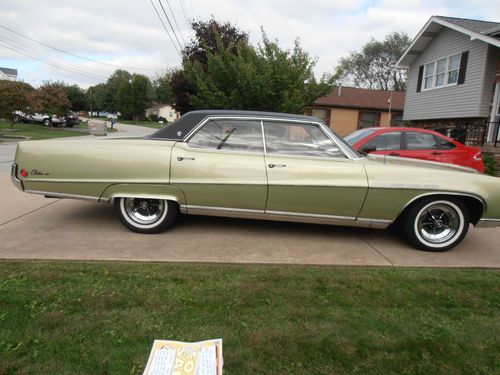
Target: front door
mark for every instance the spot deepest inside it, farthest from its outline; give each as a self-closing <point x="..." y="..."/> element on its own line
<point x="221" y="167"/>
<point x="308" y="175"/>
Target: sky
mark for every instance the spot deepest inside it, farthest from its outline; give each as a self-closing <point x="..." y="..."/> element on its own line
<point x="102" y="36"/>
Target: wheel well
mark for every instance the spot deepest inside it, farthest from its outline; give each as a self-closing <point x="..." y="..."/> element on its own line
<point x="474" y="205"/>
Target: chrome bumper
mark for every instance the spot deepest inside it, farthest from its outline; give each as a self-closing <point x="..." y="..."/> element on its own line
<point x="488" y="223"/>
<point x="13" y="176"/>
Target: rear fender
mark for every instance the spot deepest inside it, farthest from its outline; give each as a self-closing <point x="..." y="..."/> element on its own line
<point x="154" y="191"/>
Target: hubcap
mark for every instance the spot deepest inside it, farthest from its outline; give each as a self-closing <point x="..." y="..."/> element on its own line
<point x="144" y="211"/>
<point x="438" y="223"/>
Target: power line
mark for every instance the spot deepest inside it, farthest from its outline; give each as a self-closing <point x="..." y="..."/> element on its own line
<point x="185" y="14"/>
<point x="175" y="21"/>
<point x="75" y="55"/>
<point x="165" y="27"/>
<point x="170" y="23"/>
<point x="48" y="62"/>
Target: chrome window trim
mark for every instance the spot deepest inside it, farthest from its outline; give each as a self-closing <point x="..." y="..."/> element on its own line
<point x="348" y="154"/>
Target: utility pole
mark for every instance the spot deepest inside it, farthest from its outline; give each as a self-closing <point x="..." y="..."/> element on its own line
<point x="90" y="99"/>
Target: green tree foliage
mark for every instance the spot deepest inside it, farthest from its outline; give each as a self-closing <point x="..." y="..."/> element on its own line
<point x="52" y="99"/>
<point x="265" y="78"/>
<point x="98" y="96"/>
<point x="76" y="96"/>
<point x="374" y="66"/>
<point x="162" y="89"/>
<point x="134" y="96"/>
<point x="113" y="85"/>
<point x="16" y="96"/>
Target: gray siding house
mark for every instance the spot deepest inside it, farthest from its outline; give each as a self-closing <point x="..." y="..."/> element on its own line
<point x="8" y="74"/>
<point x="453" y="74"/>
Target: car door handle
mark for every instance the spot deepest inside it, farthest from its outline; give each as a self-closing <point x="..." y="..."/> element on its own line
<point x="277" y="165"/>
<point x="393" y="154"/>
<point x="181" y="158"/>
<point x="436" y="153"/>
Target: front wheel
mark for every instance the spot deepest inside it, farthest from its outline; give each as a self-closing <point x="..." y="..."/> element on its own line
<point x="144" y="215"/>
<point x="436" y="224"/>
<point x="46" y="122"/>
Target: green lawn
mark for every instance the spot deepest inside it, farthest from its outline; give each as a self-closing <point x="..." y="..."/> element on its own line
<point x="148" y="124"/>
<point x="102" y="318"/>
<point x="36" y="131"/>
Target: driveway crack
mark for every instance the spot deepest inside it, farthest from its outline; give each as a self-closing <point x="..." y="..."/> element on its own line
<point x="28" y="213"/>
<point x="374" y="249"/>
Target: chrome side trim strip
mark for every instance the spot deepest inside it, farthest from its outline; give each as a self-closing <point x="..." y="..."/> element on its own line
<point x="92" y="181"/>
<point x="488" y="223"/>
<point x="228" y="209"/>
<point x="444" y="193"/>
<point x="49" y="194"/>
<point x="300" y="214"/>
<point x="138" y="195"/>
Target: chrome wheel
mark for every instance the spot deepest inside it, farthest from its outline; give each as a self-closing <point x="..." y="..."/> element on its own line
<point x="438" y="223"/>
<point x="144" y="211"/>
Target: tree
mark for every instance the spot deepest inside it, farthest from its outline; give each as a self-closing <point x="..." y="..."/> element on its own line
<point x="76" y="96"/>
<point x="52" y="99"/>
<point x="266" y="78"/>
<point x="374" y="66"/>
<point x="209" y="37"/>
<point x="162" y="89"/>
<point x="113" y="84"/>
<point x="97" y="96"/>
<point x="134" y="96"/>
<point x="16" y="96"/>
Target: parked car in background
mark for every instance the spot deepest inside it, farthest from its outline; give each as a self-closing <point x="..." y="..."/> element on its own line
<point x="260" y="165"/>
<point x="415" y="143"/>
<point x="72" y="119"/>
<point x="42" y="118"/>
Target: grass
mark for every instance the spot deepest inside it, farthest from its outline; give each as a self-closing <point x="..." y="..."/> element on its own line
<point x="36" y="131"/>
<point x="490" y="164"/>
<point x="102" y="318"/>
<point x="146" y="123"/>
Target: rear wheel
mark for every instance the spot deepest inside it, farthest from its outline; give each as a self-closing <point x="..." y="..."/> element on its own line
<point x="46" y="122"/>
<point x="436" y="224"/>
<point x="144" y="215"/>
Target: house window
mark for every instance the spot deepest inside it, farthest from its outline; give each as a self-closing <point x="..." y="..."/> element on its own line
<point x="453" y="66"/>
<point x="368" y="119"/>
<point x="441" y="73"/>
<point x="428" y="75"/>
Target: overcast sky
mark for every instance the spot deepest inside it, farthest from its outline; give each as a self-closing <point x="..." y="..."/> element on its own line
<point x="128" y="33"/>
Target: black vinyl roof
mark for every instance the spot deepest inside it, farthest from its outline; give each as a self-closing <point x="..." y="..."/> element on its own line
<point x="179" y="129"/>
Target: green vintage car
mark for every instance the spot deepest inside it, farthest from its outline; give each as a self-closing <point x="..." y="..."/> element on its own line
<point x="262" y="166"/>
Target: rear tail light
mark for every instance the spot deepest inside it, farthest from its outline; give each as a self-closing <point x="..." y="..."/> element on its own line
<point x="24" y="173"/>
<point x="478" y="156"/>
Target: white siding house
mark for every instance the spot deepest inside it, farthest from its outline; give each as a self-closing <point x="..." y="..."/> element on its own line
<point x="8" y="74"/>
<point x="163" y="110"/>
<point x="453" y="73"/>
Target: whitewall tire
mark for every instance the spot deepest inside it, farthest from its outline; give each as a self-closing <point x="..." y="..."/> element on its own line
<point x="436" y="224"/>
<point x="145" y="215"/>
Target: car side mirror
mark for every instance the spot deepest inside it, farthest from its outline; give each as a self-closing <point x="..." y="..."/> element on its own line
<point x="366" y="150"/>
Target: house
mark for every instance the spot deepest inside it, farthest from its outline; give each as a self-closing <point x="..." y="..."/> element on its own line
<point x="8" y="74"/>
<point x="453" y="75"/>
<point x="346" y="109"/>
<point x="163" y="110"/>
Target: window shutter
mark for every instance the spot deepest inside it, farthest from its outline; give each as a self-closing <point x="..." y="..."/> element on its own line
<point x="463" y="67"/>
<point x="420" y="76"/>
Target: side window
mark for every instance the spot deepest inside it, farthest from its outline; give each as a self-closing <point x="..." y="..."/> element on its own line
<point x="299" y="139"/>
<point x="420" y="141"/>
<point x="444" y="144"/>
<point x="232" y="135"/>
<point x="386" y="141"/>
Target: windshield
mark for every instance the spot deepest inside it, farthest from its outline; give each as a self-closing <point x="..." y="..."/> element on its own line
<point x="357" y="135"/>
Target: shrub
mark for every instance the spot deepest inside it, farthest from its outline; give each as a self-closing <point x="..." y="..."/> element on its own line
<point x="490" y="164"/>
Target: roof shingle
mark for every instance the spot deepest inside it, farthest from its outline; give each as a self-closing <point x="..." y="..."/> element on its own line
<point x="351" y="97"/>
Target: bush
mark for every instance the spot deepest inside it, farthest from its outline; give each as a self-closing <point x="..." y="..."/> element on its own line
<point x="153" y="117"/>
<point x="490" y="164"/>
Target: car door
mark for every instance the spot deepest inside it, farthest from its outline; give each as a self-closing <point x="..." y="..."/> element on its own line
<point x="309" y="175"/>
<point x="221" y="167"/>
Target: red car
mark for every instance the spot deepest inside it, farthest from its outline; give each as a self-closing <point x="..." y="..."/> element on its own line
<point x="417" y="144"/>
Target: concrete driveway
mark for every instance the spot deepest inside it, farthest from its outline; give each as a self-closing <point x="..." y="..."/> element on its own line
<point x="33" y="227"/>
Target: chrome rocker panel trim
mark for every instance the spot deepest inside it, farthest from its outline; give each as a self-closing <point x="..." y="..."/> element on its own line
<point x="297" y="217"/>
<point x="49" y="194"/>
<point x="488" y="223"/>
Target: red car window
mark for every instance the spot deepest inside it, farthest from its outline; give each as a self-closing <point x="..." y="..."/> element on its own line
<point x="420" y="141"/>
<point x="385" y="141"/>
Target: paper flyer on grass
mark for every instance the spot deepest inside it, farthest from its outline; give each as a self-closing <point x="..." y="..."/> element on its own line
<point x="185" y="358"/>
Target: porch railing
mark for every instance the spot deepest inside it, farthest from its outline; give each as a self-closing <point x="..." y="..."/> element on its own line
<point x="472" y="134"/>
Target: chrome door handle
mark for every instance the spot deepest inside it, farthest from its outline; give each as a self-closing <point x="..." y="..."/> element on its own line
<point x="277" y="165"/>
<point x="181" y="158"/>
